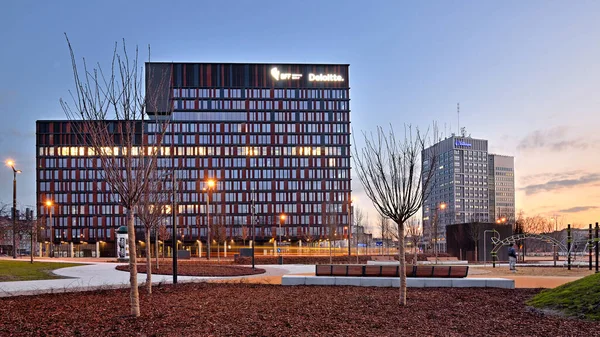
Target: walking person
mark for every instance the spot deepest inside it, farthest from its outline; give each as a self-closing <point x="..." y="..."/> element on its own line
<point x="512" y="258"/>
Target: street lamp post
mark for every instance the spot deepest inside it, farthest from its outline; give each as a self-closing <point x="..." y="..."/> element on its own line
<point x="253" y="231"/>
<point x="211" y="185"/>
<point x="350" y="223"/>
<point x="442" y="206"/>
<point x="11" y="164"/>
<point x="554" y="243"/>
<point x="174" y="228"/>
<point x="49" y="205"/>
<point x="281" y="220"/>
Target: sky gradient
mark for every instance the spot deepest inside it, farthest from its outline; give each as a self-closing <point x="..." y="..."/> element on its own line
<point x="526" y="73"/>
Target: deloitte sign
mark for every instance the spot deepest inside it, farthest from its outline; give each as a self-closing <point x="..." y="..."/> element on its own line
<point x="325" y="78"/>
<point x="281" y="76"/>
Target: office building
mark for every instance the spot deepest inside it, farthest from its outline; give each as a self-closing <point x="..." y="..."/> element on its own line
<point x="501" y="188"/>
<point x="458" y="192"/>
<point x="275" y="133"/>
<point x="469" y="185"/>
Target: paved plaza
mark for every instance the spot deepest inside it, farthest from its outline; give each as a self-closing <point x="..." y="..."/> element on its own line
<point x="103" y="275"/>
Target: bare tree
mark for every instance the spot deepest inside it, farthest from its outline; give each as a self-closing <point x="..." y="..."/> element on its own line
<point x="163" y="234"/>
<point x="152" y="208"/>
<point x="390" y="172"/>
<point x="218" y="232"/>
<point x="107" y="111"/>
<point x="474" y="231"/>
<point x="358" y="225"/>
<point x="414" y="234"/>
<point x="384" y="228"/>
<point x="329" y="221"/>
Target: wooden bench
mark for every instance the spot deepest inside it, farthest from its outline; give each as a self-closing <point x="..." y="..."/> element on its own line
<point x="391" y="271"/>
<point x="442" y="258"/>
<point x="382" y="258"/>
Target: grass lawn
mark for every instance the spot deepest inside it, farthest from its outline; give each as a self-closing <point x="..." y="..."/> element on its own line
<point x="25" y="271"/>
<point x="579" y="298"/>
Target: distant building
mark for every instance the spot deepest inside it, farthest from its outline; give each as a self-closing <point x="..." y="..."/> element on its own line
<point x="501" y="188"/>
<point x="460" y="185"/>
<point x="470" y="185"/>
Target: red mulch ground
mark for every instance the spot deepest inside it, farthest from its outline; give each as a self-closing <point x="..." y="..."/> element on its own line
<point x="192" y="268"/>
<point x="205" y="309"/>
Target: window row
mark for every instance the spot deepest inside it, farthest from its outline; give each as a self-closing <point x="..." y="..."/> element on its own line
<point x="259" y="93"/>
<point x="258" y="105"/>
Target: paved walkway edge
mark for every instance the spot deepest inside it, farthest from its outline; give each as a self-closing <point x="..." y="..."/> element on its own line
<point x="412" y="282"/>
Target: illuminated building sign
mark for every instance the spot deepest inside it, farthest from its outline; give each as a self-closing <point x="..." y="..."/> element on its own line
<point x="462" y="143"/>
<point x="325" y="78"/>
<point x="279" y="76"/>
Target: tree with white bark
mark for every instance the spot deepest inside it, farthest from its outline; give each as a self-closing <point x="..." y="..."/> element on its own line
<point x="389" y="168"/>
<point x="107" y="113"/>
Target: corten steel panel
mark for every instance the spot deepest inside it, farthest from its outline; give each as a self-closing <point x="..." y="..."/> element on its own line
<point x="389" y="271"/>
<point x="323" y="270"/>
<point x="459" y="271"/>
<point x="424" y="271"/>
<point x="339" y="270"/>
<point x="372" y="270"/>
<point x="441" y="271"/>
<point x="354" y="270"/>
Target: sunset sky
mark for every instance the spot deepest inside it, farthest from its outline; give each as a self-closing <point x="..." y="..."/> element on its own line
<point x="526" y="73"/>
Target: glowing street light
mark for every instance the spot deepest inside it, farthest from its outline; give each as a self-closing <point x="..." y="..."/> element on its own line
<point x="10" y="163"/>
<point x="210" y="186"/>
<point x="281" y="221"/>
<point x="49" y="204"/>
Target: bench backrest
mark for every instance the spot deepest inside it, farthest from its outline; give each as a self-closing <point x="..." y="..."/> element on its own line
<point x="391" y="271"/>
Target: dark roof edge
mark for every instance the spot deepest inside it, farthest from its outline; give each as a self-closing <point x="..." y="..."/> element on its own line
<point x="256" y="63"/>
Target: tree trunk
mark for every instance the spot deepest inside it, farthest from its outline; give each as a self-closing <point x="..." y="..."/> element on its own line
<point x="402" y="269"/>
<point x="218" y="250"/>
<point x="330" y="257"/>
<point x="476" y="257"/>
<point x="134" y="296"/>
<point x="156" y="247"/>
<point x="148" y="263"/>
<point x="416" y="259"/>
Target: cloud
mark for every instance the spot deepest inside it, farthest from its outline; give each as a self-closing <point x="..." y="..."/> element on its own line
<point x="577" y="209"/>
<point x="561" y="183"/>
<point x="551" y="176"/>
<point x="555" y="139"/>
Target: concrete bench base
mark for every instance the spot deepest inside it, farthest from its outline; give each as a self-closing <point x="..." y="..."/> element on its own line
<point x="412" y="282"/>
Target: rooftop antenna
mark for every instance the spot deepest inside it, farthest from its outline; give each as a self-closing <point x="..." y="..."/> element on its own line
<point x="458" y="115"/>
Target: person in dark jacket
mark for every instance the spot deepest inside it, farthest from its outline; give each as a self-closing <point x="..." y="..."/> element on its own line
<point x="512" y="258"/>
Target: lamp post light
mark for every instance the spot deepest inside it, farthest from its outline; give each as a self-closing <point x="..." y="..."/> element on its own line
<point x="442" y="206"/>
<point x="281" y="220"/>
<point x="253" y="230"/>
<point x="11" y="164"/>
<point x="350" y="224"/>
<point x="49" y="204"/>
<point x="174" y="227"/>
<point x="554" y="257"/>
<point x="210" y="185"/>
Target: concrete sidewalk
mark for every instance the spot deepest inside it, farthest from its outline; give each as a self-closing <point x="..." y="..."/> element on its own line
<point x="104" y="275"/>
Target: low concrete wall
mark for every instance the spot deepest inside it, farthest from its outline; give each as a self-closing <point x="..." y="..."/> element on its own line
<point x="411" y="282"/>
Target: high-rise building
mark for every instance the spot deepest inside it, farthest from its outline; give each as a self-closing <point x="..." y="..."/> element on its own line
<point x="459" y="189"/>
<point x="469" y="185"/>
<point x="501" y="187"/>
<point x="275" y="133"/>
